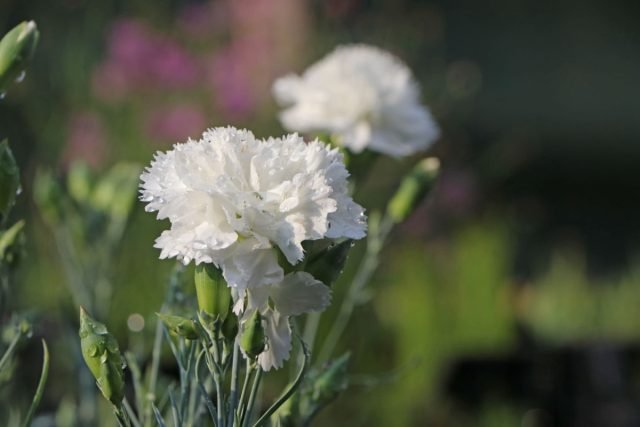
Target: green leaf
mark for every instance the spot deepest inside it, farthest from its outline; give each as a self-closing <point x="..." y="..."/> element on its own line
<point x="40" y="389"/>
<point x="9" y="180"/>
<point x="115" y="192"/>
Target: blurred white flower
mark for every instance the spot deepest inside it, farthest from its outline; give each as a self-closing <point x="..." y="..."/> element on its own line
<point x="232" y="198"/>
<point x="364" y="97"/>
<point x="298" y="293"/>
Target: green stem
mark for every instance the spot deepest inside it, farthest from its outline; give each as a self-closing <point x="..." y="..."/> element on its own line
<point x="247" y="375"/>
<point x="252" y="397"/>
<point x="311" y="328"/>
<point x="233" y="398"/>
<point x="377" y="237"/>
<point x="10" y="350"/>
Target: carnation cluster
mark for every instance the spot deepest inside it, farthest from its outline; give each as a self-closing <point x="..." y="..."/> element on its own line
<point x="364" y="97"/>
<point x="239" y="202"/>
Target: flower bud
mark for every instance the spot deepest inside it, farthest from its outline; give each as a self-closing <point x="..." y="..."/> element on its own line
<point x="252" y="340"/>
<point x="230" y="328"/>
<point x="212" y="292"/>
<point x="16" y="49"/>
<point x="102" y="356"/>
<point x="413" y="188"/>
<point x="9" y="179"/>
<point x="327" y="264"/>
<point x="180" y="326"/>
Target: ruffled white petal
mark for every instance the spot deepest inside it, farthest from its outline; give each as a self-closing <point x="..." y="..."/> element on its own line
<point x="364" y="97"/>
<point x="278" y="333"/>
<point x="300" y="293"/>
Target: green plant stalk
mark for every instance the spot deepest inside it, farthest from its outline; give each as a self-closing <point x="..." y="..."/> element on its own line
<point x="130" y="414"/>
<point x="41" y="383"/>
<point x="233" y="397"/>
<point x="252" y="397"/>
<point x="10" y="350"/>
<point x="153" y="374"/>
<point x="136" y="376"/>
<point x="375" y="242"/>
<point x="247" y="375"/>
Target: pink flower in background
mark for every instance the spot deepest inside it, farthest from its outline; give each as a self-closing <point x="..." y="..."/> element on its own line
<point x="110" y="82"/>
<point x="175" y="123"/>
<point x="86" y="140"/>
<point x="230" y="79"/>
<point x="201" y="21"/>
<point x="172" y="66"/>
<point x="139" y="58"/>
<point x="131" y="44"/>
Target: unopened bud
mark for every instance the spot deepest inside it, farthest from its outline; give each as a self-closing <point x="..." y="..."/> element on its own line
<point x="102" y="355"/>
<point x="9" y="179"/>
<point x="229" y="328"/>
<point x="212" y="292"/>
<point x="413" y="188"/>
<point x="16" y="50"/>
<point x="180" y="326"/>
<point x="252" y="340"/>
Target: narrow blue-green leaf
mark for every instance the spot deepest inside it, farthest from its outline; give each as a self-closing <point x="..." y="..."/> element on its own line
<point x="157" y="414"/>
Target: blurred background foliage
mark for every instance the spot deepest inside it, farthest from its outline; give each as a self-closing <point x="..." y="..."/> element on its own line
<point x="509" y="298"/>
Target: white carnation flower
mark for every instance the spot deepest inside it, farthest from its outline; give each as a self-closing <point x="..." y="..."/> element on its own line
<point x="364" y="97"/>
<point x="232" y="198"/>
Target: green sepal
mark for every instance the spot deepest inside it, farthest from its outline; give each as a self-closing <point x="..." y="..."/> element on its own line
<point x="327" y="264"/>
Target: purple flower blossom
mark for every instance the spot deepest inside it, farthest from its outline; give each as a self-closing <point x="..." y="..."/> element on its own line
<point x="138" y="59"/>
<point x="175" y="123"/>
<point x="231" y="82"/>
